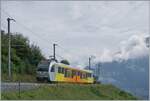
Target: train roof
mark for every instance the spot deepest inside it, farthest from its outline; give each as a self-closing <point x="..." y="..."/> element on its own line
<point x="70" y="67"/>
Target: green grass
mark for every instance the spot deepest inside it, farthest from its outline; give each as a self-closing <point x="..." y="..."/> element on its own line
<point x="71" y="92"/>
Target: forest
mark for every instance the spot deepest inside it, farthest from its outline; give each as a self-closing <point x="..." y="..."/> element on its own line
<point x="25" y="56"/>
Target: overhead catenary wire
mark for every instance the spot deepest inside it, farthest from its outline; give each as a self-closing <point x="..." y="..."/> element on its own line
<point x="28" y="29"/>
<point x="38" y="36"/>
<point x="31" y="31"/>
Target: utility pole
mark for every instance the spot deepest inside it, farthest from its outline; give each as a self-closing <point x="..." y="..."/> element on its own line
<point x="91" y="57"/>
<point x="89" y="63"/>
<point x="54" y="55"/>
<point x="9" y="48"/>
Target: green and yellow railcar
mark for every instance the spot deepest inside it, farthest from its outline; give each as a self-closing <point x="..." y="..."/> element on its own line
<point x="58" y="72"/>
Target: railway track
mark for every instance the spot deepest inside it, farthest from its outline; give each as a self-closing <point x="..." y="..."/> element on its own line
<point x="14" y="86"/>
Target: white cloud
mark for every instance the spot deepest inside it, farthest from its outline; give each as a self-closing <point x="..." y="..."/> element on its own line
<point x="105" y="56"/>
<point x="82" y="27"/>
<point x="134" y="47"/>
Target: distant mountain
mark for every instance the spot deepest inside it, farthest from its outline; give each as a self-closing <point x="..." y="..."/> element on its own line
<point x="130" y="74"/>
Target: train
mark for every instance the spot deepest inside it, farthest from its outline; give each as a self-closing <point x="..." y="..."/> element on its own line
<point x="56" y="72"/>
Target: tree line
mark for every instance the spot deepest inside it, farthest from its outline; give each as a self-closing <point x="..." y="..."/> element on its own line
<point x="24" y="56"/>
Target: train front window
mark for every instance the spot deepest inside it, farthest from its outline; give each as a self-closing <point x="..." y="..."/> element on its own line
<point x="53" y="68"/>
<point x="43" y="69"/>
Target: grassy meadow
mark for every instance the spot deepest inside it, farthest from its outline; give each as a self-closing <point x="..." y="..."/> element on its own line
<point x="71" y="92"/>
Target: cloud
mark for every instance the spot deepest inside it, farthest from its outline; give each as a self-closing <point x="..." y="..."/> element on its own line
<point x="134" y="47"/>
<point x="106" y="56"/>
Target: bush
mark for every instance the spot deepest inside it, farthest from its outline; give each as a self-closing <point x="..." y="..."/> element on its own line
<point x="65" y="62"/>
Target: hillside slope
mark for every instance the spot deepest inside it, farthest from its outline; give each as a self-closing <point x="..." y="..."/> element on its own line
<point x="71" y="92"/>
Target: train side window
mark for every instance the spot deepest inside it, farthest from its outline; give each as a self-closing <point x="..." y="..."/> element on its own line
<point x="86" y="75"/>
<point x="81" y="75"/>
<point x="53" y="69"/>
<point x="90" y="75"/>
<point x="73" y="73"/>
<point x="59" y="69"/>
<point x="68" y="73"/>
<point x="78" y="73"/>
<point x="62" y="70"/>
<point x="65" y="70"/>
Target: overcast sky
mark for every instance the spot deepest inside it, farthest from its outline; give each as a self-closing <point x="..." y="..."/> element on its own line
<point x="81" y="28"/>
